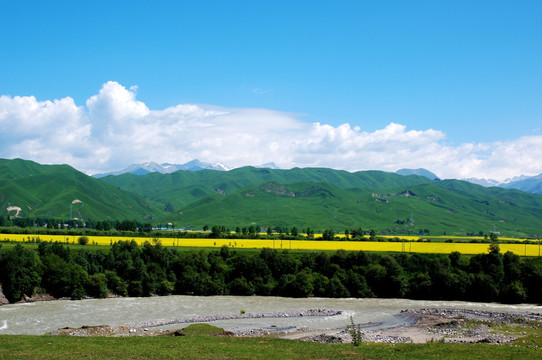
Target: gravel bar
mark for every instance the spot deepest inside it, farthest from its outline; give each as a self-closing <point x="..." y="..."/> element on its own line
<point x="210" y="318"/>
<point x="495" y="316"/>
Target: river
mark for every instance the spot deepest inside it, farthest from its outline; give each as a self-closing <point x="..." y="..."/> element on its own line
<point x="38" y="318"/>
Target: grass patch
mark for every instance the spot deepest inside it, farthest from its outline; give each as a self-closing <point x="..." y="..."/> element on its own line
<point x="201" y="330"/>
<point x="210" y="347"/>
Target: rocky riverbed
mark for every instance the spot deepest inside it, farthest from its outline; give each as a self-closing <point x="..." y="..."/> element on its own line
<point x="436" y="324"/>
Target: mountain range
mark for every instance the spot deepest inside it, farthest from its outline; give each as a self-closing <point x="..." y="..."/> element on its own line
<point x="319" y="198"/>
<point x="165" y="168"/>
<point x="531" y="184"/>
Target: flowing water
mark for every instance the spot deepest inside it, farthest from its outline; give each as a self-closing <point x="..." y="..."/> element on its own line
<point x="41" y="317"/>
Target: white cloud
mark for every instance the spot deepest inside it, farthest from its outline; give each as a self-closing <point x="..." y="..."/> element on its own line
<point x="114" y="130"/>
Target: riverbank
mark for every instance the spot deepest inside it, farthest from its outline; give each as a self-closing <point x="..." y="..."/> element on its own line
<point x="27" y="299"/>
<point x="459" y="326"/>
<point x="3" y="299"/>
<point x="426" y="325"/>
<point x="429" y="325"/>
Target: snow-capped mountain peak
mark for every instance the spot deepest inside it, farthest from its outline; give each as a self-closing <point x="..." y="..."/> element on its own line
<point x="268" y="165"/>
<point x="531" y="184"/>
<point x="166" y="168"/>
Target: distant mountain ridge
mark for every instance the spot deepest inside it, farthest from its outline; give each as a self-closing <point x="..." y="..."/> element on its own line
<point x="530" y="184"/>
<point x="168" y="168"/>
<point x="420" y="172"/>
<point x="483" y="182"/>
<point x="268" y="165"/>
<point x="165" y="168"/>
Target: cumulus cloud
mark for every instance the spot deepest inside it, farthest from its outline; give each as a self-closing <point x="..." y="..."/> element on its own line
<point x="114" y="130"/>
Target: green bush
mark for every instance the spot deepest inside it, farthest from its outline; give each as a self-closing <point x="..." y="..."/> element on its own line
<point x="83" y="240"/>
<point x="97" y="286"/>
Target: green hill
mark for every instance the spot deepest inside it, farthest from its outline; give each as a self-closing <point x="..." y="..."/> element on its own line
<point x="182" y="188"/>
<point x="440" y="208"/>
<point x="313" y="197"/>
<point x="325" y="198"/>
<point x="48" y="191"/>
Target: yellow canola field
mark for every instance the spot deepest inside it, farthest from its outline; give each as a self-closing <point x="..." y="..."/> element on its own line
<point x="445" y="237"/>
<point x="96" y="240"/>
<point x="406" y="246"/>
<point x="442" y="237"/>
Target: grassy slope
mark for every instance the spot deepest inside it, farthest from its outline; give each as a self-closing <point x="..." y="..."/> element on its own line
<point x="184" y="187"/>
<point x="48" y="190"/>
<point x="439" y="206"/>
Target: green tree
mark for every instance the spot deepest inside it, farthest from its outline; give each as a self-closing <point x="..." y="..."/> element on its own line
<point x="252" y="230"/>
<point x="97" y="286"/>
<point x="240" y="286"/>
<point x="494" y="243"/>
<point x="82" y="240"/>
<point x="165" y="287"/>
<point x="20" y="272"/>
<point x="146" y="228"/>
<point x="357" y="233"/>
<point x="328" y="234"/>
<point x="357" y="285"/>
<point x="62" y="279"/>
<point x="217" y="232"/>
<point x="115" y="283"/>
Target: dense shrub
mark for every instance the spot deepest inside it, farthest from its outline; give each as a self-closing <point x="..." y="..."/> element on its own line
<point x="82" y="240"/>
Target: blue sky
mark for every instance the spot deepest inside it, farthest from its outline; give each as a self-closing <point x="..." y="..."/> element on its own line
<point x="463" y="77"/>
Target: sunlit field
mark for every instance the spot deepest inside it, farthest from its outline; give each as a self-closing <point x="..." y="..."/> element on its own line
<point x="408" y="245"/>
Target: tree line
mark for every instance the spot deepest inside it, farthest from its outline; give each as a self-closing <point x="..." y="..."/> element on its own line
<point x="128" y="269"/>
<point x="54" y="224"/>
<point x="134" y="228"/>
